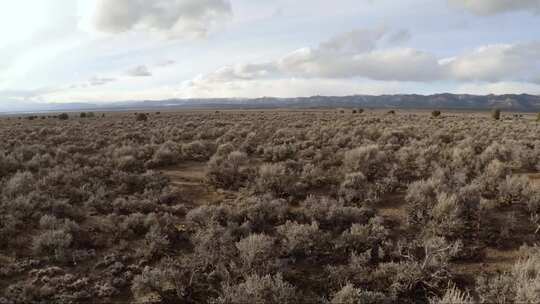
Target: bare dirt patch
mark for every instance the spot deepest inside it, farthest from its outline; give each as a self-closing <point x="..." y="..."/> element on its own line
<point x="393" y="209"/>
<point x="189" y="184"/>
<point x="494" y="260"/>
<point x="193" y="172"/>
<point x="534" y="178"/>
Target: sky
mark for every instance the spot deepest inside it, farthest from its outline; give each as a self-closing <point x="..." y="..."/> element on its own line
<point x="55" y="51"/>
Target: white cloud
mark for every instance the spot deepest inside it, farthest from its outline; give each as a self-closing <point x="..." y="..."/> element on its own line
<point x="240" y="71"/>
<point x="26" y="95"/>
<point x="361" y="54"/>
<point x="498" y="88"/>
<point x="97" y="81"/>
<point x="359" y="40"/>
<point x="391" y="64"/>
<point x="139" y="71"/>
<point x="352" y="54"/>
<point x="292" y="87"/>
<point x="495" y="63"/>
<point x="492" y="7"/>
<point x="110" y="95"/>
<point x="166" y="63"/>
<point x="171" y="18"/>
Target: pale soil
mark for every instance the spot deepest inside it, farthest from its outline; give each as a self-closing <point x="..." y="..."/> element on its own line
<point x="534" y="179"/>
<point x="494" y="260"/>
<point x="188" y="182"/>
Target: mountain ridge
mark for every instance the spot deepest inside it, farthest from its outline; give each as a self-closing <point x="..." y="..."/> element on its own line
<point x="509" y="102"/>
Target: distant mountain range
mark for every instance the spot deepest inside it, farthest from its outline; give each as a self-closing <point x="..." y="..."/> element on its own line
<point x="510" y="102"/>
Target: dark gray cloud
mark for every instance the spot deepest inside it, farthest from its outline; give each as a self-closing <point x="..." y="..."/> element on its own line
<point x="172" y="18"/>
<point x="400" y="36"/>
<point x="359" y="40"/>
<point x="139" y="71"/>
<point x="98" y="81"/>
<point x="492" y="7"/>
<point x="165" y="63"/>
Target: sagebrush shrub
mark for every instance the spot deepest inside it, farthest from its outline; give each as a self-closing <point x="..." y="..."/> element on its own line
<point x="259" y="289"/>
<point x="353" y="189"/>
<point x="8" y="229"/>
<point x="158" y="280"/>
<point x="262" y="214"/>
<point x="197" y="150"/>
<point x="53" y="243"/>
<point x="496" y="114"/>
<point x="526" y="274"/>
<point x="141" y="117"/>
<point x="421" y="196"/>
<point x="453" y="296"/>
<point x="167" y="154"/>
<point x="156" y="242"/>
<point x="447" y="217"/>
<point x="369" y="160"/>
<point x="332" y="214"/>
<point x="275" y="179"/>
<point x="498" y="288"/>
<point x="19" y="184"/>
<point x="228" y="171"/>
<point x="300" y="239"/>
<point x="215" y="244"/>
<point x="257" y="252"/>
<point x="351" y="295"/>
<point x="363" y="237"/>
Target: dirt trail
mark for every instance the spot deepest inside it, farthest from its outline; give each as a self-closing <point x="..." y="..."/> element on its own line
<point x="189" y="184"/>
<point x="495" y="260"/>
<point x="534" y="179"/>
<point x="393" y="209"/>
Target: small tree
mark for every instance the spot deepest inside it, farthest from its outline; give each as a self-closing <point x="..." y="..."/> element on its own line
<point x="496" y="114"/>
<point x="436" y="114"/>
<point x="538" y="117"/>
<point x="63" y="116"/>
<point x="83" y="115"/>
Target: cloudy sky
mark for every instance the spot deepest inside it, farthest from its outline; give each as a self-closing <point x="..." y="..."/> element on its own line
<point x="115" y="50"/>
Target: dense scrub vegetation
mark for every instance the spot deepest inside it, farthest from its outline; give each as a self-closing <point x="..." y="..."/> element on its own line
<point x="308" y="207"/>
